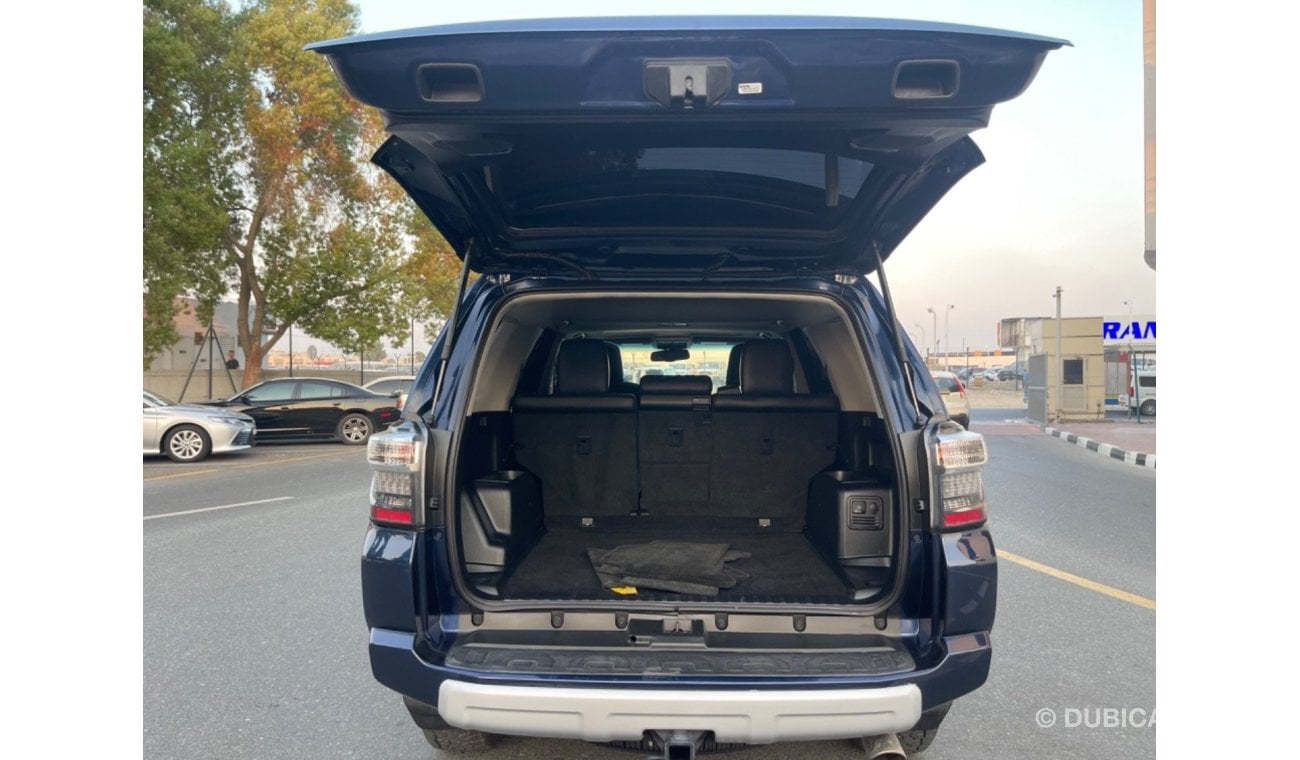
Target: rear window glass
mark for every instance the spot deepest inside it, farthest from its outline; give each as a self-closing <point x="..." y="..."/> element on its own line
<point x="691" y="186"/>
<point x="947" y="384"/>
<point x="1147" y="382"/>
<point x="318" y="390"/>
<point x="708" y="359"/>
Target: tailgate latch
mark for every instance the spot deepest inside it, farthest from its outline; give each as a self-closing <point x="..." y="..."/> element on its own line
<point x="687" y="83"/>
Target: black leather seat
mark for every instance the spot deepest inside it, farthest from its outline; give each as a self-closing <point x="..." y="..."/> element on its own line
<point x="616" y="382"/>
<point x="768" y="441"/>
<point x="580" y="440"/>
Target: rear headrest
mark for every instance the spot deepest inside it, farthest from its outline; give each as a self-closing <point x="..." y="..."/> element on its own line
<point x="615" y="362"/>
<point x="766" y="367"/>
<point x="733" y="365"/>
<point x="685" y="385"/>
<point x="582" y="367"/>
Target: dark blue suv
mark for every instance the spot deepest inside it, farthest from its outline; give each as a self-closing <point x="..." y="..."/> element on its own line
<point x="673" y="476"/>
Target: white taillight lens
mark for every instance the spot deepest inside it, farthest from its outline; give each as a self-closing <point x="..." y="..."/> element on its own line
<point x="964" y="449"/>
<point x="393" y="448"/>
<point x="394" y="457"/>
<point x="960" y="456"/>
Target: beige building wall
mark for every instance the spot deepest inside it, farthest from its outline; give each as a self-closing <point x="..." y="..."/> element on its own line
<point x="1081" y="341"/>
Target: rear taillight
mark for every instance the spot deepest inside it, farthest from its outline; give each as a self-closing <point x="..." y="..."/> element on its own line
<point x="395" y="483"/>
<point x="961" y="389"/>
<point x="959" y="457"/>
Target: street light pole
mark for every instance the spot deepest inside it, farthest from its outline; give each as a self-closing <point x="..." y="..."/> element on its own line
<point x="1060" y="361"/>
<point x="290" y="349"/>
<point x="934" y="323"/>
<point x="412" y="344"/>
<point x="921" y="327"/>
<point x="947" y="345"/>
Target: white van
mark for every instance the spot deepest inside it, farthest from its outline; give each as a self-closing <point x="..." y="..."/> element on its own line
<point x="1146" y="393"/>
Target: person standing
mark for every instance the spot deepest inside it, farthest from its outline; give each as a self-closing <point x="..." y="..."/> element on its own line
<point x="231" y="361"/>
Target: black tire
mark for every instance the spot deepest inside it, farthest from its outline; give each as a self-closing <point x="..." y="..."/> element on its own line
<point x="355" y="429"/>
<point x="917" y="740"/>
<point x="963" y="420"/>
<point x="1149" y="408"/>
<point x="459" y="740"/>
<point x="445" y="737"/>
<point x="186" y="443"/>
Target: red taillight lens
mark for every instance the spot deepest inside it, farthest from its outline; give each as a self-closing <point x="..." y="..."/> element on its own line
<point x="964" y="517"/>
<point x="961" y="388"/>
<point x="396" y="516"/>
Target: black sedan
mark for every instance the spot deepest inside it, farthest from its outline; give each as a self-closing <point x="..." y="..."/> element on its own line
<point x="309" y="407"/>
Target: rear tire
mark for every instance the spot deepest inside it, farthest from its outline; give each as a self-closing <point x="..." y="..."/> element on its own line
<point x="443" y="736"/>
<point x="917" y="741"/>
<point x="355" y="429"/>
<point x="459" y="740"/>
<point x="963" y="420"/>
<point x="186" y="443"/>
<point x="926" y="729"/>
<point x="1149" y="408"/>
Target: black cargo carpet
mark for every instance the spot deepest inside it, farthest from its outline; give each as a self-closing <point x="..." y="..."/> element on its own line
<point x="780" y="567"/>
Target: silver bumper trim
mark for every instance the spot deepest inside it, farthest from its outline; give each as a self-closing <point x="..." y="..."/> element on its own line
<point x="748" y="717"/>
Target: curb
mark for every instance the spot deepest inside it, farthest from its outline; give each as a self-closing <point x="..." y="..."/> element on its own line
<point x="1105" y="449"/>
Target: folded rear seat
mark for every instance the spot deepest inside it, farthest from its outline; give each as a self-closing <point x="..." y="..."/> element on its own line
<point x="675" y="440"/>
<point x="768" y="441"/>
<point x="580" y="441"/>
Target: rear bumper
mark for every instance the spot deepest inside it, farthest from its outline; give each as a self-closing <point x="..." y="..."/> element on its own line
<point x="752" y="711"/>
<point x="748" y="717"/>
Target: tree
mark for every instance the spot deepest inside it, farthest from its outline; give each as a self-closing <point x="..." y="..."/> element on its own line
<point x="312" y="234"/>
<point x="192" y="91"/>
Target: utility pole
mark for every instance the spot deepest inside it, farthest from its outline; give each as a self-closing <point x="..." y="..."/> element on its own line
<point x="934" y="322"/>
<point x="947" y="345"/>
<point x="1060" y="361"/>
<point x="924" y="340"/>
<point x="290" y="349"/>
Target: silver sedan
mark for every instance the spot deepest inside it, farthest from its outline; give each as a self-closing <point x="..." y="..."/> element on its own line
<point x="188" y="433"/>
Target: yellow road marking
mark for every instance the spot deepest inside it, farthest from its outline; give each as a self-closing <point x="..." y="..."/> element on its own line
<point x="249" y="466"/>
<point x="1100" y="588"/>
<point x="182" y="474"/>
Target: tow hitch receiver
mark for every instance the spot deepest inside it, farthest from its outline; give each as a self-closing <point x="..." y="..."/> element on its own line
<point x="678" y="745"/>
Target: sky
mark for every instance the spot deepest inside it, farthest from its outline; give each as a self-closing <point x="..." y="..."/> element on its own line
<point x="1059" y="201"/>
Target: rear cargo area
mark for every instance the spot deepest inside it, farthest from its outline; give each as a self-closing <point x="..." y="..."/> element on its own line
<point x="780" y="566"/>
<point x="771" y="484"/>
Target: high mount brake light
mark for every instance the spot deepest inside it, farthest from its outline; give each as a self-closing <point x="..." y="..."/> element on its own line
<point x="395" y="485"/>
<point x="959" y="457"/>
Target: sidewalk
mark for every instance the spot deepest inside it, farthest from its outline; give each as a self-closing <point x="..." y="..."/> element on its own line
<point x="1125" y="441"/>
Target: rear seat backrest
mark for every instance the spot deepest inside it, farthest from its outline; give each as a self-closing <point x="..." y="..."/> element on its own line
<point x="580" y="441"/>
<point x="675" y="441"/>
<point x="768" y="441"/>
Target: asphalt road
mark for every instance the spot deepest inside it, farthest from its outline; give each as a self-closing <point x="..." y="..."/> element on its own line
<point x="255" y="646"/>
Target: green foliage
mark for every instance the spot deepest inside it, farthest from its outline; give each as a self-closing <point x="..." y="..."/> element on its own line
<point x="191" y="110"/>
<point x="277" y="201"/>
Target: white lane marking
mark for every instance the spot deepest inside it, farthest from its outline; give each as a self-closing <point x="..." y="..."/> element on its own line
<point x="214" y="509"/>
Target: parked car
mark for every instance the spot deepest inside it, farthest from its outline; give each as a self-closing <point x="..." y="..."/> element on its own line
<point x="954" y="396"/>
<point x="674" y="182"/>
<point x="395" y="386"/>
<point x="190" y="432"/>
<point x="1146" y="395"/>
<point x="313" y="408"/>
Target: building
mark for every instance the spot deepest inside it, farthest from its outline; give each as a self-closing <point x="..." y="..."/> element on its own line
<point x="1097" y="357"/>
<point x="192" y="346"/>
